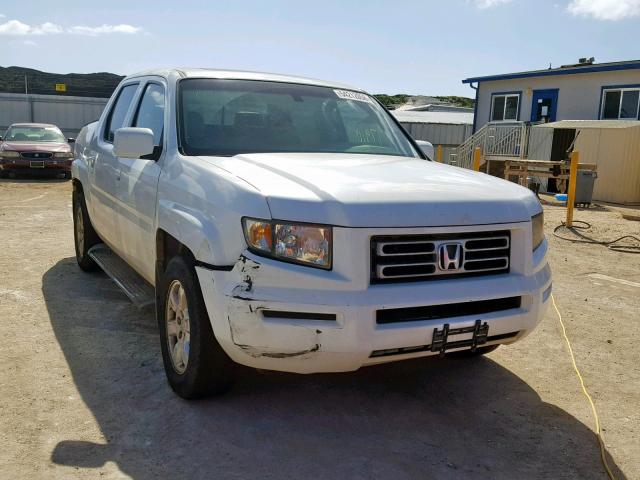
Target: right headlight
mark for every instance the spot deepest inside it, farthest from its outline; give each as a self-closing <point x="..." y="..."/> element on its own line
<point x="537" y="230"/>
<point x="9" y="154"/>
<point x="306" y="244"/>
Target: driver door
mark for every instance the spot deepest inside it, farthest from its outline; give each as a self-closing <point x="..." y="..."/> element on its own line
<point x="138" y="185"/>
<point x="105" y="170"/>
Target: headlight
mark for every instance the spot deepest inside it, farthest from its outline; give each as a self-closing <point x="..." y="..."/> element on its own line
<point x="305" y="244"/>
<point x="63" y="155"/>
<point x="9" y="154"/>
<point x="537" y="229"/>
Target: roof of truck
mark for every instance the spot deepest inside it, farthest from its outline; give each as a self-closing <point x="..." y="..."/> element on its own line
<point x="242" y="75"/>
<point x="35" y="125"/>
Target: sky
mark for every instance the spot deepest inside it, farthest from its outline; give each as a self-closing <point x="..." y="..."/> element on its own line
<point x="415" y="47"/>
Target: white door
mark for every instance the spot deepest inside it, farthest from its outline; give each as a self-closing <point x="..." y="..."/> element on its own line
<point x="105" y="171"/>
<point x="138" y="186"/>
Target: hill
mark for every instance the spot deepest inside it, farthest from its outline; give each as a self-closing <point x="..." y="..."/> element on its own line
<point x="458" y="101"/>
<point x="12" y="80"/>
<point x="391" y="101"/>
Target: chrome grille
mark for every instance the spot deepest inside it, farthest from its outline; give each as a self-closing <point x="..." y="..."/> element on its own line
<point x="401" y="258"/>
<point x="36" y="155"/>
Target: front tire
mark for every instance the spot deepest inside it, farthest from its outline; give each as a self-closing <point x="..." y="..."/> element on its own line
<point x="84" y="235"/>
<point x="195" y="364"/>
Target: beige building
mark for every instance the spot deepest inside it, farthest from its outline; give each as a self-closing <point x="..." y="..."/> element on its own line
<point x="584" y="91"/>
<point x="612" y="145"/>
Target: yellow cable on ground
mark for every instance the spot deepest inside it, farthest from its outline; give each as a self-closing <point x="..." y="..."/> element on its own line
<point x="586" y="393"/>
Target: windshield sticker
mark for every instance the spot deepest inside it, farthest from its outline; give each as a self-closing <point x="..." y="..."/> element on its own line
<point x="349" y="95"/>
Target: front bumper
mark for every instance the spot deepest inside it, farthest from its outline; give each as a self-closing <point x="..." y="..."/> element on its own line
<point x="45" y="166"/>
<point x="255" y="309"/>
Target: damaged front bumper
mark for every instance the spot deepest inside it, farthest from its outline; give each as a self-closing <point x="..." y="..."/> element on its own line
<point x="304" y="331"/>
<point x="276" y="316"/>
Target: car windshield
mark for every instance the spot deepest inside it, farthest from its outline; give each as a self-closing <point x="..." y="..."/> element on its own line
<point x="34" y="134"/>
<point x="230" y="117"/>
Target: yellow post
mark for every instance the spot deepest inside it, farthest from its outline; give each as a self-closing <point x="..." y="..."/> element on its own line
<point x="573" y="177"/>
<point x="477" y="156"/>
<point x="439" y="154"/>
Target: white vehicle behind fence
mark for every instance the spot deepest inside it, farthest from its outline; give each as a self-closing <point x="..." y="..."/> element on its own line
<point x="291" y="224"/>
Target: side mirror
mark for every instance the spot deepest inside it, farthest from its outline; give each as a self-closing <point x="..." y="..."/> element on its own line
<point x="133" y="142"/>
<point x="427" y="148"/>
<point x="71" y="140"/>
<point x="1" y="139"/>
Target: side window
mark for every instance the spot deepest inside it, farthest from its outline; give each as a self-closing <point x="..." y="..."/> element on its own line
<point x="150" y="112"/>
<point x="620" y="104"/>
<point x="115" y="120"/>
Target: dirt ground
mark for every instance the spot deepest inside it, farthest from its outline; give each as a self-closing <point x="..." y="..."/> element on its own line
<point x="83" y="392"/>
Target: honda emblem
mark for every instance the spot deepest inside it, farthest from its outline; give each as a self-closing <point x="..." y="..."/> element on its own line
<point x="450" y="256"/>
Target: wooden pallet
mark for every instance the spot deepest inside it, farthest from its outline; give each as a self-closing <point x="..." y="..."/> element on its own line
<point x="524" y="168"/>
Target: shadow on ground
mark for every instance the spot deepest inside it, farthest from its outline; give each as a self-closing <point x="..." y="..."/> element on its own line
<point x="35" y="178"/>
<point x="449" y="418"/>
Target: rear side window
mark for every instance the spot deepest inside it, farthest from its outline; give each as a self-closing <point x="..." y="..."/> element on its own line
<point x="150" y="112"/>
<point x="119" y="111"/>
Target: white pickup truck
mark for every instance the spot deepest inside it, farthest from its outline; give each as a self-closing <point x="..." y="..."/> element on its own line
<point x="291" y="224"/>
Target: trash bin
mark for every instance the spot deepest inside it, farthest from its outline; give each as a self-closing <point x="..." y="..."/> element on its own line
<point x="584" y="187"/>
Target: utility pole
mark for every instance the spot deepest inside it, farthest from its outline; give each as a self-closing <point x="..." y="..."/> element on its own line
<point x="26" y="90"/>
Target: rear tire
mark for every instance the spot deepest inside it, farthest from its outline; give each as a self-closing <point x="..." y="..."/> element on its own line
<point x="195" y="364"/>
<point x="478" y="352"/>
<point x="84" y="236"/>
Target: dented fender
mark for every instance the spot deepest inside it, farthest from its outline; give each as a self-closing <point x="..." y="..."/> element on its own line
<point x="202" y="206"/>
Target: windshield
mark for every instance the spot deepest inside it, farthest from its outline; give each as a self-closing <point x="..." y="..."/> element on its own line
<point x="34" y="134"/>
<point x="229" y="117"/>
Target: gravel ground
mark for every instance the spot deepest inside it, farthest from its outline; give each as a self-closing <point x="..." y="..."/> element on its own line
<point x="83" y="393"/>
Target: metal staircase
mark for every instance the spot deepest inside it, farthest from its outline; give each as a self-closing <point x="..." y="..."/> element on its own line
<point x="495" y="139"/>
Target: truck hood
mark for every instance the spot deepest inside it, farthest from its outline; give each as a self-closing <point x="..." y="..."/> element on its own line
<point x="357" y="190"/>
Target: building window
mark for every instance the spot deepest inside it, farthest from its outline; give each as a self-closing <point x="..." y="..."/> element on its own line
<point x="505" y="107"/>
<point x="620" y="104"/>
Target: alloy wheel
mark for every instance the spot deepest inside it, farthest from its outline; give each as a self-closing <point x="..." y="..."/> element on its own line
<point x="177" y="326"/>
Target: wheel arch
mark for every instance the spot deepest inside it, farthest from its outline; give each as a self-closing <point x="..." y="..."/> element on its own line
<point x="167" y="247"/>
<point x="196" y="232"/>
<point x="77" y="185"/>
